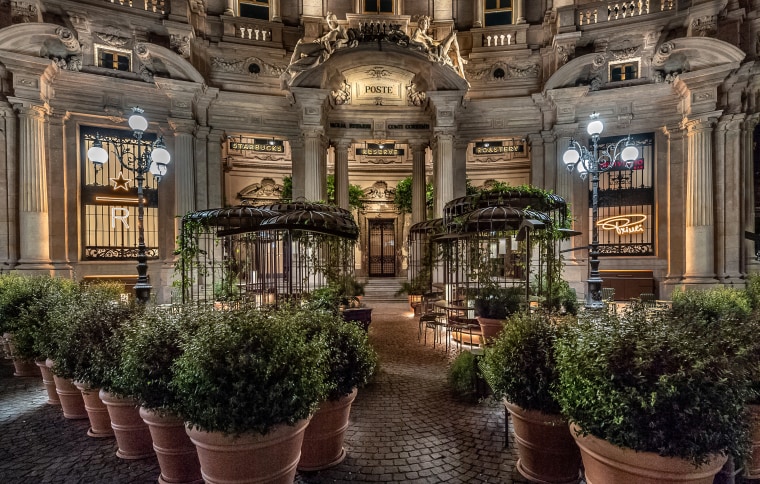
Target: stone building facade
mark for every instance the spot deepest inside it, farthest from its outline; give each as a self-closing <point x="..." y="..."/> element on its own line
<point x="334" y="93"/>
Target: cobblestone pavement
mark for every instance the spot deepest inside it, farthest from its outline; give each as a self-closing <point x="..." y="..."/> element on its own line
<point x="405" y="426"/>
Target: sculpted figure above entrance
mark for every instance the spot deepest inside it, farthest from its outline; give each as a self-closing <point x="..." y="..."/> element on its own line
<point x="308" y="55"/>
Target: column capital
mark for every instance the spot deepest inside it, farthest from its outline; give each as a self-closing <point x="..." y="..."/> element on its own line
<point x="182" y="125"/>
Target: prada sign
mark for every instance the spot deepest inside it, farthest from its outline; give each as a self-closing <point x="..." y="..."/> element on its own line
<point x="497" y="147"/>
<point x="263" y="145"/>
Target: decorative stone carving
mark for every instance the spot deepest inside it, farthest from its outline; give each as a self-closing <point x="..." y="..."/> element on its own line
<point x="413" y="96"/>
<point x="69" y="63"/>
<point x="510" y="71"/>
<point x="342" y="95"/>
<point x="626" y="53"/>
<point x="67" y="38"/>
<point x="267" y="189"/>
<point x="663" y="53"/>
<point x="563" y="54"/>
<point x="704" y="26"/>
<point x="378" y="72"/>
<point x="113" y="37"/>
<point x="438" y="50"/>
<point x="180" y="44"/>
<point x="23" y="12"/>
<point x="223" y="65"/>
<point x="379" y="191"/>
<point x="307" y="55"/>
<point x="147" y="71"/>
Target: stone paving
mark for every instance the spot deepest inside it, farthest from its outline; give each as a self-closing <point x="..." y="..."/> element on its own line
<point x="405" y="426"/>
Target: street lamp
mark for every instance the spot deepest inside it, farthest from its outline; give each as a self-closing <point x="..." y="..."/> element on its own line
<point x="593" y="161"/>
<point x="138" y="162"/>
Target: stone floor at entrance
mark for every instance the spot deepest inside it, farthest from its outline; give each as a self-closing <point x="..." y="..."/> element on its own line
<point x="405" y="426"/>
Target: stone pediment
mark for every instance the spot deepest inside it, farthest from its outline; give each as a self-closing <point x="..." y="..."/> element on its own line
<point x="428" y="76"/>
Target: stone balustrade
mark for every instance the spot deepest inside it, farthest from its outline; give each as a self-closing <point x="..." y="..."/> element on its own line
<point x="600" y="12"/>
<point x="156" y="6"/>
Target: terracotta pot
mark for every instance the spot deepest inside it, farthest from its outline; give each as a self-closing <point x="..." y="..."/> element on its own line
<point x="753" y="465"/>
<point x="176" y="453"/>
<point x="605" y="463"/>
<point x="490" y="328"/>
<point x="546" y="451"/>
<point x="100" y="422"/>
<point x="25" y="368"/>
<point x="323" y="440"/>
<point x="70" y="397"/>
<point x="47" y="380"/>
<point x="251" y="457"/>
<point x="22" y="366"/>
<point x="132" y="434"/>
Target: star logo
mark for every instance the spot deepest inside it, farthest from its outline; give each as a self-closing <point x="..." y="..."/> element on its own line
<point x="120" y="182"/>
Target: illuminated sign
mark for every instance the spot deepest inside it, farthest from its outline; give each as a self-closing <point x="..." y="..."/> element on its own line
<point x="376" y="149"/>
<point x="494" y="147"/>
<point x="624" y="224"/>
<point x="620" y="165"/>
<point x="408" y="126"/>
<point x="264" y="145"/>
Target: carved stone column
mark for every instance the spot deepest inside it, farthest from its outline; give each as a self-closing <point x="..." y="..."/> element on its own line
<point x="477" y="14"/>
<point x="34" y="220"/>
<point x="215" y="172"/>
<point x="341" y="173"/>
<point x="419" y="182"/>
<point x="728" y="180"/>
<point x="201" y="167"/>
<point x="459" y="164"/>
<point x="183" y="165"/>
<point x="298" y="168"/>
<point x="519" y="13"/>
<point x="274" y="11"/>
<point x="676" y="205"/>
<point x="443" y="170"/>
<point x="315" y="164"/>
<point x="9" y="187"/>
<point x="62" y="192"/>
<point x="230" y="10"/>
<point x="700" y="224"/>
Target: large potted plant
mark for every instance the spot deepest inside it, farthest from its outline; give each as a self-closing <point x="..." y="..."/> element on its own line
<point x="752" y="466"/>
<point x="17" y="293"/>
<point x="246" y="386"/>
<point x="520" y="366"/>
<point x="55" y="294"/>
<point x="653" y="397"/>
<point x="151" y="344"/>
<point x="88" y="352"/>
<point x="493" y="304"/>
<point x="350" y="363"/>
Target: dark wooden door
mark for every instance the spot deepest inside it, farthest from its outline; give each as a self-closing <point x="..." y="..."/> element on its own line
<point x="382" y="248"/>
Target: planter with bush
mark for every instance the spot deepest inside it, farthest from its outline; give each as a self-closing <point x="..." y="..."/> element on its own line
<point x="493" y="304"/>
<point x="151" y="344"/>
<point x="88" y="352"/>
<point x="666" y="390"/>
<point x="351" y="361"/>
<point x="520" y="366"/>
<point x="246" y="385"/>
<point x="752" y="467"/>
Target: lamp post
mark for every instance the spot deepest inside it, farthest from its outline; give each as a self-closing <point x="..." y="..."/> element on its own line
<point x="594" y="161"/>
<point x="139" y="161"/>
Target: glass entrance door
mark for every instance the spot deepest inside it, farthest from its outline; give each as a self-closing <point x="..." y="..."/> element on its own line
<point x="382" y="248"/>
